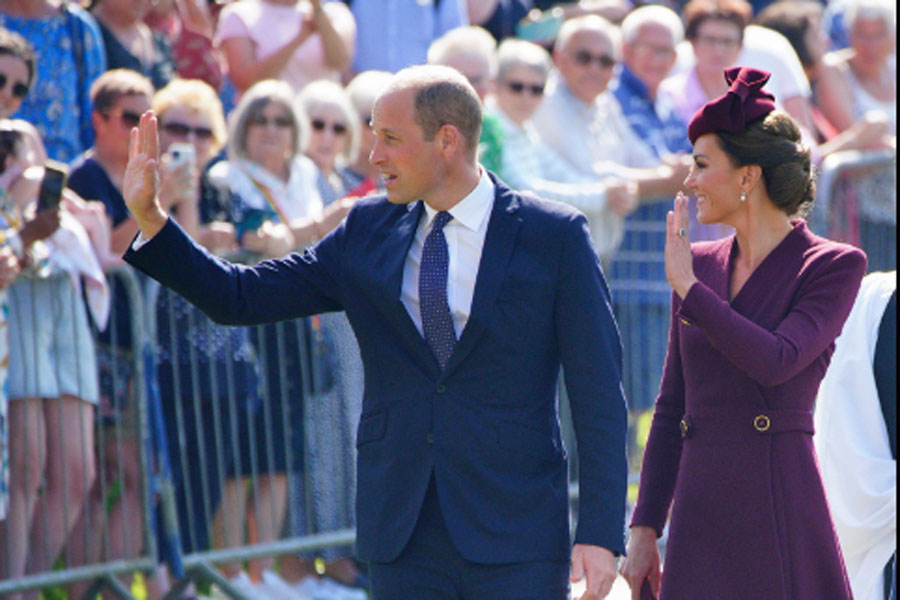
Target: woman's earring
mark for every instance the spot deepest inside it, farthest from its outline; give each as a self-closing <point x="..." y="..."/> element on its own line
<point x="743" y="196"/>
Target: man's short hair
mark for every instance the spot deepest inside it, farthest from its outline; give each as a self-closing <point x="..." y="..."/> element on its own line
<point x="112" y="85"/>
<point x="652" y="14"/>
<point x="514" y="53"/>
<point x="588" y="23"/>
<point x="442" y="96"/>
<point x="464" y="41"/>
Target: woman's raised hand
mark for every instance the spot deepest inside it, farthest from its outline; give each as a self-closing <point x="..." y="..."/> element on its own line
<point x="141" y="181"/>
<point x="679" y="264"/>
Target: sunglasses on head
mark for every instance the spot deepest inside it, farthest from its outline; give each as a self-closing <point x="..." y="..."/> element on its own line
<point x="336" y="128"/>
<point x="128" y="118"/>
<point x="19" y="89"/>
<point x="585" y="58"/>
<point x="183" y="130"/>
<point x="280" y="122"/>
<point x="517" y="87"/>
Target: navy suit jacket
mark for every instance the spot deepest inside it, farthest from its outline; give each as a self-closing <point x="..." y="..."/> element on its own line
<point x="487" y="426"/>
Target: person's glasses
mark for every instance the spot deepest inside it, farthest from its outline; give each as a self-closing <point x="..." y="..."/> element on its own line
<point x="183" y="130"/>
<point x="128" y="118"/>
<point x="585" y="58"/>
<point x="723" y="42"/>
<point x="337" y="128"/>
<point x="18" y="90"/>
<point x="517" y="87"/>
<point x="657" y="51"/>
<point x="279" y="122"/>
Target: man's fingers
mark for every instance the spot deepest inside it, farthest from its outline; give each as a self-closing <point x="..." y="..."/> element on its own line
<point x="577" y="573"/>
<point x="133" y="143"/>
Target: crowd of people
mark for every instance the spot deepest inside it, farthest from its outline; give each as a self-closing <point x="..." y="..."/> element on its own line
<point x="264" y="111"/>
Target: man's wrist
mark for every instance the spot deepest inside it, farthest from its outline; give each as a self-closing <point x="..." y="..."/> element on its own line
<point x="151" y="222"/>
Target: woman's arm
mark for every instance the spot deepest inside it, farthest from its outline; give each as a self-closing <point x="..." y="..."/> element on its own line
<point x="833" y="92"/>
<point x="245" y="68"/>
<point x="338" y="48"/>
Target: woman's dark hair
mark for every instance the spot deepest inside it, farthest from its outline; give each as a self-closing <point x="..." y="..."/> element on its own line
<point x="793" y="20"/>
<point x="773" y="143"/>
<point x="696" y="12"/>
<point x="10" y="144"/>
<point x="13" y="44"/>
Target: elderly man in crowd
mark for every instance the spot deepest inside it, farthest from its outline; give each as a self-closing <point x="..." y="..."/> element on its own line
<point x="649" y="37"/>
<point x="582" y="120"/>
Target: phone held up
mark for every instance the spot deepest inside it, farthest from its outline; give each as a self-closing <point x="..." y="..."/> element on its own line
<point x="52" y="184"/>
<point x="181" y="153"/>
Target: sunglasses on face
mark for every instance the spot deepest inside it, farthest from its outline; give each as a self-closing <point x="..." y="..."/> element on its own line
<point x="337" y="128"/>
<point x="517" y="87"/>
<point x="19" y="89"/>
<point x="183" y="130"/>
<point x="279" y="122"/>
<point x="128" y="118"/>
<point x="585" y="58"/>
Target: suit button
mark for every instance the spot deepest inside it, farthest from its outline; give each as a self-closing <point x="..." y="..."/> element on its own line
<point x="441" y="388"/>
<point x="429" y="438"/>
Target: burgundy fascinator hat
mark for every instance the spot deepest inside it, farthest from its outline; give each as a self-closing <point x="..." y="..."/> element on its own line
<point x="745" y="101"/>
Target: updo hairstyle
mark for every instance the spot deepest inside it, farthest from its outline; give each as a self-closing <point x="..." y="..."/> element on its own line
<point x="773" y="143"/>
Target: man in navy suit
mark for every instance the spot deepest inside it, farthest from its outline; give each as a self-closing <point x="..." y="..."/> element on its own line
<point x="466" y="298"/>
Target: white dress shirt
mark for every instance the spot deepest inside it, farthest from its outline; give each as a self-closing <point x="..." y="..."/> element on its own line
<point x="465" y="234"/>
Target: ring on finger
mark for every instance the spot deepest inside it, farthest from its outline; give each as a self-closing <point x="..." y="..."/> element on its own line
<point x="682" y="232"/>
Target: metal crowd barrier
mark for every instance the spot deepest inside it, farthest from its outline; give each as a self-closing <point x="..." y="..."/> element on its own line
<point x="88" y="554"/>
<point x="212" y="404"/>
<point x="245" y="410"/>
<point x="856" y="202"/>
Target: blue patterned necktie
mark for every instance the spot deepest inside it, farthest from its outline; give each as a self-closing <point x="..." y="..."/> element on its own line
<point x="437" y="324"/>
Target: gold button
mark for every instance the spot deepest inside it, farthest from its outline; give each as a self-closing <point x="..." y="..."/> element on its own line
<point x="684" y="321"/>
<point x="762" y="423"/>
<point x="684" y="428"/>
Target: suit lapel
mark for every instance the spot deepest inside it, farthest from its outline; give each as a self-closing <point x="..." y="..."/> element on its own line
<point x="390" y="261"/>
<point x="499" y="243"/>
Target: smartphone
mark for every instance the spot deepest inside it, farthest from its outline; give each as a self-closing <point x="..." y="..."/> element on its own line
<point x="181" y="153"/>
<point x="52" y="184"/>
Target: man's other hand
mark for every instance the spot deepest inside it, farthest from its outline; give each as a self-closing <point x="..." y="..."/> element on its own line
<point x="598" y="565"/>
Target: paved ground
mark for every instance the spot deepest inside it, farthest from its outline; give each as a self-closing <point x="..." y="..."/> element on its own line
<point x="620" y="590"/>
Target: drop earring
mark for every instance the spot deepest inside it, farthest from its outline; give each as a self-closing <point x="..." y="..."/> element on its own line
<point x="743" y="196"/>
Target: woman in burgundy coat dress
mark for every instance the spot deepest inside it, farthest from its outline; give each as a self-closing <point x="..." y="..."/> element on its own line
<point x="754" y="318"/>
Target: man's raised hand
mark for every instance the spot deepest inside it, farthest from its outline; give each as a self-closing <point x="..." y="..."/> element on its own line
<point x="141" y="182"/>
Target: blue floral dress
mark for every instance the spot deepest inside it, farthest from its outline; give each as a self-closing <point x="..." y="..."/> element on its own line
<point x="70" y="56"/>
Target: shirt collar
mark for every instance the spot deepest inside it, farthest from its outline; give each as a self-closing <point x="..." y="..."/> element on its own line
<point x="566" y="92"/>
<point x="630" y="81"/>
<point x="471" y="210"/>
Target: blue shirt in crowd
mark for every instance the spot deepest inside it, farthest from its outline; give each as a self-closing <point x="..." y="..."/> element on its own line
<point x="70" y="56"/>
<point x="638" y="271"/>
<point x="393" y="34"/>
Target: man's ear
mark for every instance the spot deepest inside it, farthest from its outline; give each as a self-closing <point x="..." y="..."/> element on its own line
<point x="96" y="120"/>
<point x="450" y="138"/>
